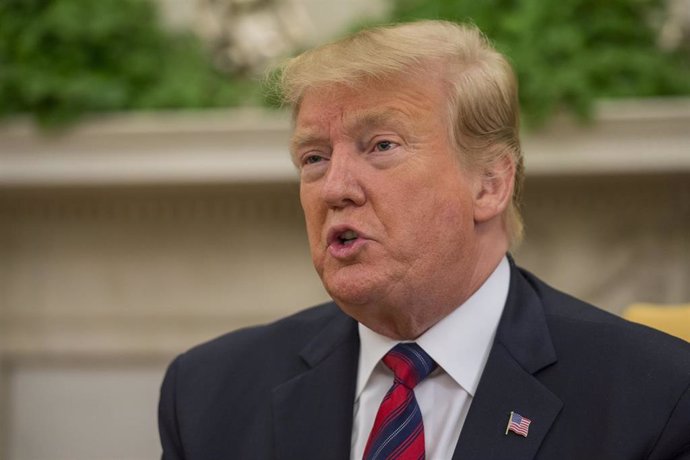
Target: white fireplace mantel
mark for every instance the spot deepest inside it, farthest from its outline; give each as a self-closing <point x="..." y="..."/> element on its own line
<point x="250" y="145"/>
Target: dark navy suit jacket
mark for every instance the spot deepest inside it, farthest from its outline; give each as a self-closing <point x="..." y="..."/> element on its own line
<point x="594" y="386"/>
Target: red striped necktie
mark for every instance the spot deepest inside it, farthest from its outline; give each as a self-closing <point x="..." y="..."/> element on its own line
<point x="398" y="431"/>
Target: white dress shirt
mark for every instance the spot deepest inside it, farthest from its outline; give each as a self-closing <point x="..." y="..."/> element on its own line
<point x="460" y="345"/>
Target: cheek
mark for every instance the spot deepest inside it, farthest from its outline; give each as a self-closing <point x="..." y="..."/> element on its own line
<point x="455" y="212"/>
<point x="442" y="199"/>
<point x="444" y="221"/>
<point x="311" y="216"/>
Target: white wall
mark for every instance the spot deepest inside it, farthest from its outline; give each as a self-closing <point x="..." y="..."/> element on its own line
<point x="98" y="411"/>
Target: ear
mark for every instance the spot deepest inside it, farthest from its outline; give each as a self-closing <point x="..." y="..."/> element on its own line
<point x="494" y="189"/>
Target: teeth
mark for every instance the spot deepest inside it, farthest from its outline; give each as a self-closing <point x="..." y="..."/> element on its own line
<point x="348" y="235"/>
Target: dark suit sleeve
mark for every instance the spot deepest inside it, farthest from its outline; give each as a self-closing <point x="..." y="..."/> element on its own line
<point x="167" y="416"/>
<point x="674" y="441"/>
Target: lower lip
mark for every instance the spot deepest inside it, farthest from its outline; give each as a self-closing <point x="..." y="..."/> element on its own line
<point x="346" y="251"/>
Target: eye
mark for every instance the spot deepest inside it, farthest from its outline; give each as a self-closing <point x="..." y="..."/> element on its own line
<point x="383" y="146"/>
<point x="311" y="159"/>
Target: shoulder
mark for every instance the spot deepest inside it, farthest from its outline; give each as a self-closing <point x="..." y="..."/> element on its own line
<point x="286" y="336"/>
<point x="248" y="361"/>
<point x="635" y="378"/>
<point x="599" y="339"/>
<point x="226" y="385"/>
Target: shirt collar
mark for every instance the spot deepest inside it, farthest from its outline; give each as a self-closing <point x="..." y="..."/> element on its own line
<point x="460" y="343"/>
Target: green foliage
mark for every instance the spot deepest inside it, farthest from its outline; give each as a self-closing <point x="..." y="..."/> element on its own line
<point x="61" y="58"/>
<point x="570" y="52"/>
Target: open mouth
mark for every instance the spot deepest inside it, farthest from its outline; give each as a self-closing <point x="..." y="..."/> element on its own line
<point x="347" y="237"/>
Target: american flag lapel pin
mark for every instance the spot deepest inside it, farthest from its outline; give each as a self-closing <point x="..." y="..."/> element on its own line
<point x="518" y="424"/>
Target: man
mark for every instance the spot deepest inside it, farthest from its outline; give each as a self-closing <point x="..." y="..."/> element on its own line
<point x="406" y="141"/>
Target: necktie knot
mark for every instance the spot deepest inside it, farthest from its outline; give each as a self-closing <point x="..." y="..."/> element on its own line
<point x="409" y="363"/>
<point x="398" y="431"/>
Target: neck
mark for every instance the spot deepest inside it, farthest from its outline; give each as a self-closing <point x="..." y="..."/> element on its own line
<point x="409" y="322"/>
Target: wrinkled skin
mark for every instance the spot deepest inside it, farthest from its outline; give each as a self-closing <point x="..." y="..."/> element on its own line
<point x="377" y="168"/>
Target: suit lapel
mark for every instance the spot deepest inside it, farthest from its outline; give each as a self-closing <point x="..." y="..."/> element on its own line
<point x="313" y="411"/>
<point x="522" y="348"/>
<point x="506" y="387"/>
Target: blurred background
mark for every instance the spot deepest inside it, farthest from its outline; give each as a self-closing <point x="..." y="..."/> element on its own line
<point x="147" y="201"/>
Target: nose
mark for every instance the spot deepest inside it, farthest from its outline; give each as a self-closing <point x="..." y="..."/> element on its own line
<point x="342" y="184"/>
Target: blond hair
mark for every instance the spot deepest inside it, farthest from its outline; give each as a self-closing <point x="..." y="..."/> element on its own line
<point x="483" y="101"/>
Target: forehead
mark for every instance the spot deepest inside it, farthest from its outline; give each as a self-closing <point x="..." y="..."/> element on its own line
<point x="401" y="104"/>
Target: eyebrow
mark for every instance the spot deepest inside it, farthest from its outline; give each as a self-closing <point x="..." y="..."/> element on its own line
<point x="359" y="122"/>
<point x="299" y="140"/>
<point x="304" y="138"/>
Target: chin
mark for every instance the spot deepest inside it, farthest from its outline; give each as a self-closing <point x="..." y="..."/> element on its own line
<point x="348" y="289"/>
<point x="349" y="295"/>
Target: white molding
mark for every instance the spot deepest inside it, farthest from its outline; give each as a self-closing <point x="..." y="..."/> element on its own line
<point x="639" y="136"/>
<point x="251" y="146"/>
<point x="171" y="148"/>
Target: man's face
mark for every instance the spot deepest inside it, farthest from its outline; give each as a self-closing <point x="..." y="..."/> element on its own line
<point x="388" y="206"/>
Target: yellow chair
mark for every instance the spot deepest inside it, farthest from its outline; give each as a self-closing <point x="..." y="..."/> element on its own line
<point x="672" y="319"/>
